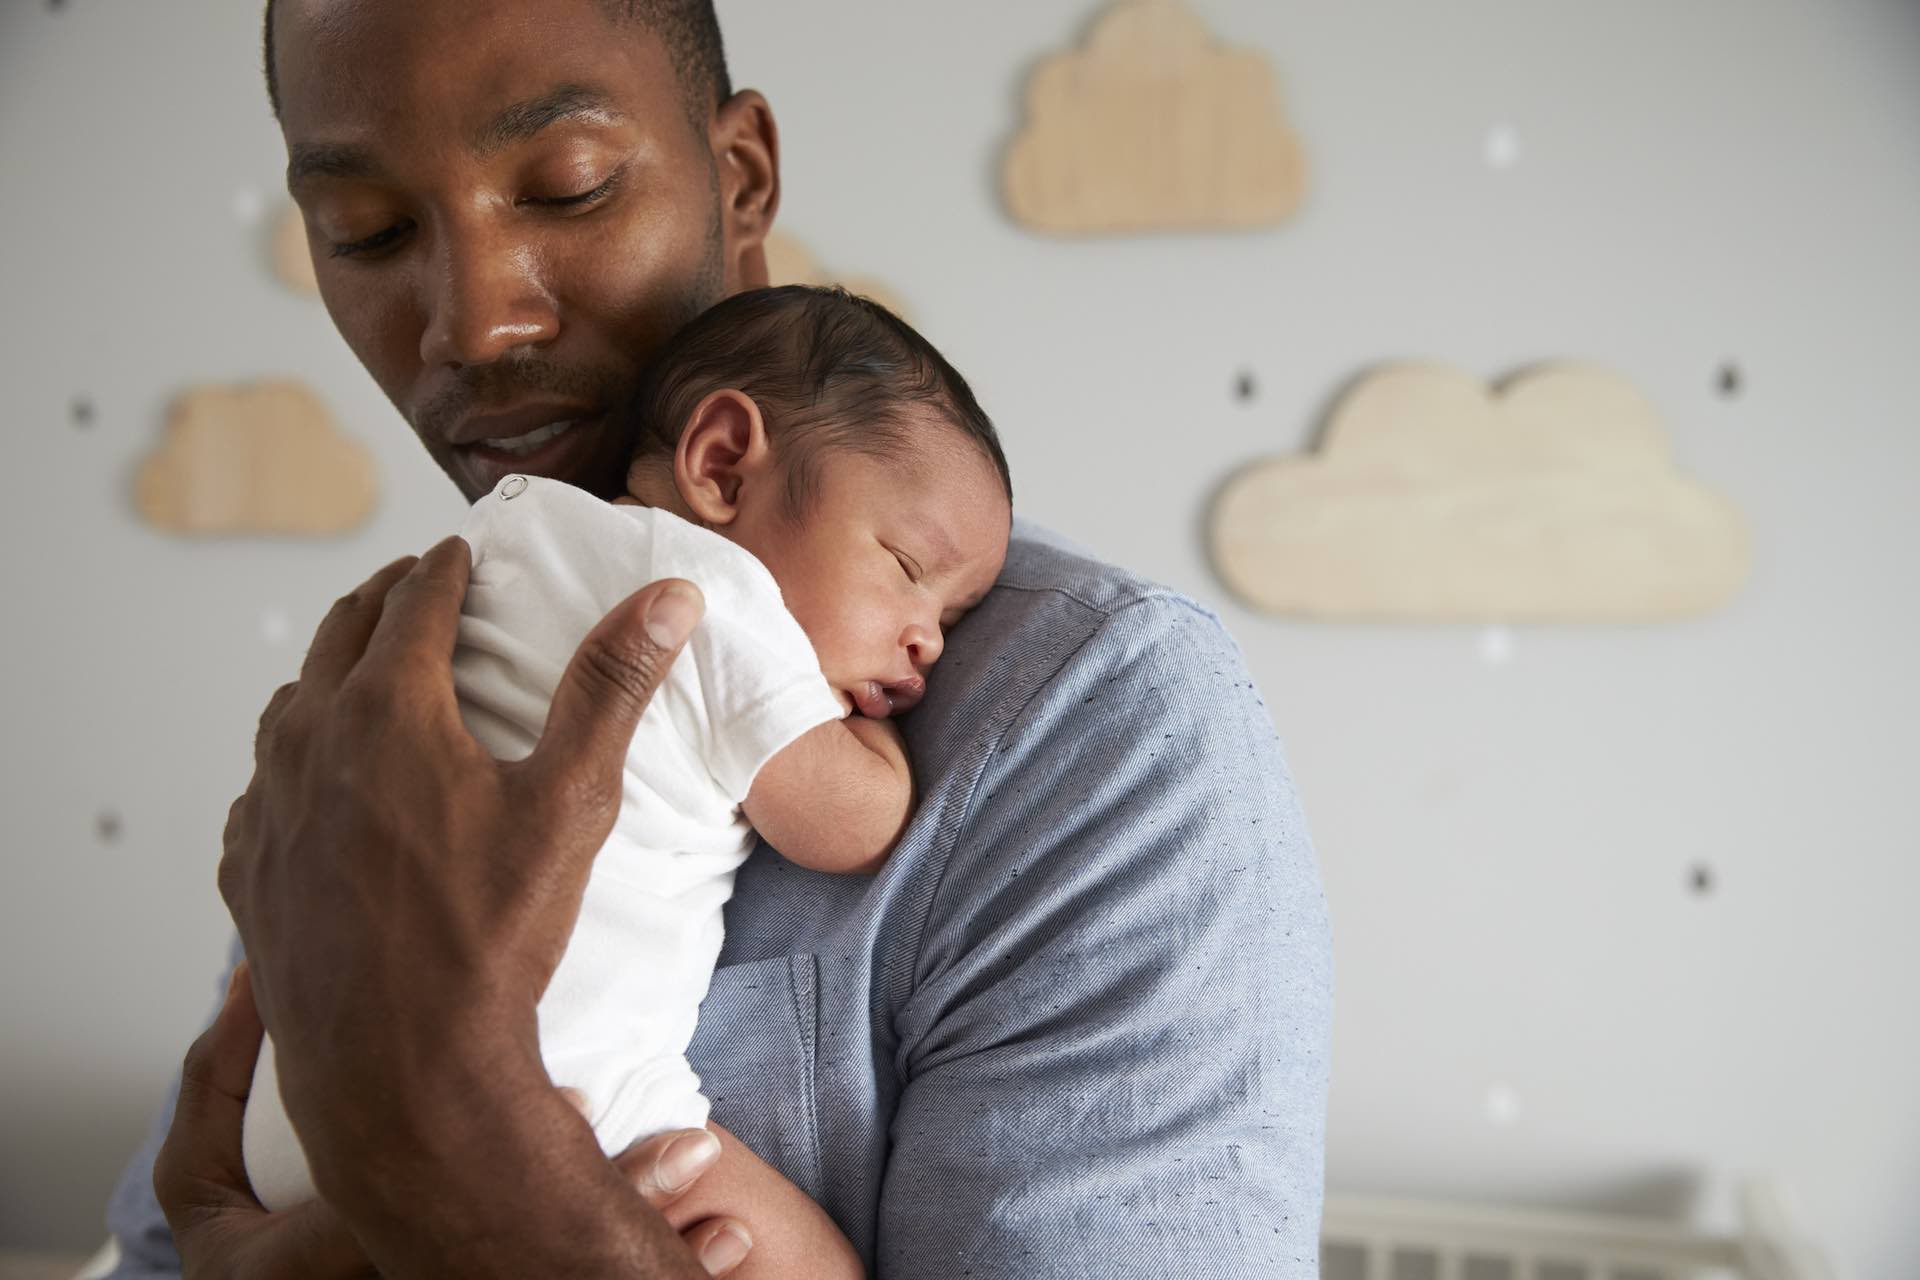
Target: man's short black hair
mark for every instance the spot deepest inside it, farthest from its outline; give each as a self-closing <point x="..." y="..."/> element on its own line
<point x="829" y="370"/>
<point x="688" y="29"/>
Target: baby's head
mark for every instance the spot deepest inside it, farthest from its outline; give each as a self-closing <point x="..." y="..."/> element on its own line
<point x="823" y="434"/>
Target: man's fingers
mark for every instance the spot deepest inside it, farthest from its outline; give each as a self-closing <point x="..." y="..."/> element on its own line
<point x="608" y="684"/>
<point x="222" y="1059"/>
<point x="344" y="632"/>
<point x="276" y="706"/>
<point x="721" y="1244"/>
<point x="417" y="624"/>
<point x="312" y="1241"/>
<point x="665" y="1166"/>
<point x="202" y="1149"/>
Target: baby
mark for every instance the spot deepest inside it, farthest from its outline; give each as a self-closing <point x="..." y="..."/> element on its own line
<point x="831" y="485"/>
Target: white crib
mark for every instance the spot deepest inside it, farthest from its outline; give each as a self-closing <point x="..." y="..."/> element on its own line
<point x="1365" y="1238"/>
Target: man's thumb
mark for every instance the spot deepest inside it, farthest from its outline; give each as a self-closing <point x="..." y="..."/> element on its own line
<point x="216" y="1079"/>
<point x="611" y="680"/>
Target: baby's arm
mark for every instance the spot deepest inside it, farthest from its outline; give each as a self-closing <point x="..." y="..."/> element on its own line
<point x="837" y="797"/>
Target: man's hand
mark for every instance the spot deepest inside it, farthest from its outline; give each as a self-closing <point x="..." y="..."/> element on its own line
<point x="221" y="1231"/>
<point x="403" y="899"/>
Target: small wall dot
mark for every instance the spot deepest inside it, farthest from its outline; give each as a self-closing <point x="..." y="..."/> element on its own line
<point x="1496" y="646"/>
<point x="1503" y="1106"/>
<point x="82" y="412"/>
<point x="1502" y="147"/>
<point x="1701" y="880"/>
<point x="1729" y="380"/>
<point x="1245" y="388"/>
<point x="107" y="827"/>
<point x="248" y="205"/>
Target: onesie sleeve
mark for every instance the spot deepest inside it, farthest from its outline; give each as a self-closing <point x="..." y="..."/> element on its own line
<point x="759" y="676"/>
<point x="550" y="560"/>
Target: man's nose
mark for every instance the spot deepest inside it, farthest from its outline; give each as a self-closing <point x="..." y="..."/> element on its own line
<point x="484" y="299"/>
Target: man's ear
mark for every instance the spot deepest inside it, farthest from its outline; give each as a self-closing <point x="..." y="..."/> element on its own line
<point x="723" y="449"/>
<point x="746" y="154"/>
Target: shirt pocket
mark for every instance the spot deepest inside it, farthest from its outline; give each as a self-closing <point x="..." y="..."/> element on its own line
<point x="755" y="1050"/>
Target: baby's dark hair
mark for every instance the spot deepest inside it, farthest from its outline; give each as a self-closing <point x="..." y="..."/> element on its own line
<point x="829" y="370"/>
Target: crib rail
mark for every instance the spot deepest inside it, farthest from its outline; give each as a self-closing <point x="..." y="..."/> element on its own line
<point x="1371" y="1238"/>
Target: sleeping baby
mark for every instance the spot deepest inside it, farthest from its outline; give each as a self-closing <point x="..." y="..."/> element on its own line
<point x="831" y="485"/>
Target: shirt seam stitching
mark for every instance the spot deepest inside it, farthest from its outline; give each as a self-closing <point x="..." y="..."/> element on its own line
<point x="973" y="792"/>
<point x="1106" y="611"/>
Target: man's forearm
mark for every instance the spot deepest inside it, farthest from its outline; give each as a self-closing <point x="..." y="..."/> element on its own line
<point x="497" y="1178"/>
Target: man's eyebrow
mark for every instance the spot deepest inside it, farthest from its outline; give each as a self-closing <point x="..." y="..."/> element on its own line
<point x="515" y="123"/>
<point x="523" y="120"/>
<point x="318" y="159"/>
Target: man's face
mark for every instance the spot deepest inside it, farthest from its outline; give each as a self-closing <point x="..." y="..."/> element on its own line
<point x="509" y="210"/>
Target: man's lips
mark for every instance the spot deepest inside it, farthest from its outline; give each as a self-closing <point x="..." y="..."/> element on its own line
<point x="566" y="454"/>
<point x="506" y="427"/>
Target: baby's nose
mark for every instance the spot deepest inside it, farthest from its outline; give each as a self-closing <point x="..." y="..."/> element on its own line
<point x="923" y="647"/>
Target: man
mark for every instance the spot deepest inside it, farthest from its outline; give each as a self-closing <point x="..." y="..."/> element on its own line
<point x="1077" y="1026"/>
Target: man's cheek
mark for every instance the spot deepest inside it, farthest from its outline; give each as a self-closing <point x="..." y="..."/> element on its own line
<point x="384" y="335"/>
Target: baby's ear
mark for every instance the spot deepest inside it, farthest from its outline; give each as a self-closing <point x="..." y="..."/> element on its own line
<point x="722" y="452"/>
<point x="650" y="483"/>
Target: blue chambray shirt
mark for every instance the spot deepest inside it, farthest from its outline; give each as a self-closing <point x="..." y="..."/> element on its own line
<point x="1079" y="1024"/>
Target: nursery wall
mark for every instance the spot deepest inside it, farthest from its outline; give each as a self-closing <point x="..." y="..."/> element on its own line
<point x="1621" y="913"/>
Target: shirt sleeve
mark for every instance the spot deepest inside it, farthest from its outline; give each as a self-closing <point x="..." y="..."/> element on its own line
<point x="1115" y="1051"/>
<point x="134" y="1220"/>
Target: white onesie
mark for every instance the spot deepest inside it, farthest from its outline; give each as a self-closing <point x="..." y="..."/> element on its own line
<point x="549" y="561"/>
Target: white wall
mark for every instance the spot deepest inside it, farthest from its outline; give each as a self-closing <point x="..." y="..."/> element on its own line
<point x="1507" y="848"/>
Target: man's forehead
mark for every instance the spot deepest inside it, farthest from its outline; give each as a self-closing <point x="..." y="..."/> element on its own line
<point x="332" y="55"/>
<point x="343" y="18"/>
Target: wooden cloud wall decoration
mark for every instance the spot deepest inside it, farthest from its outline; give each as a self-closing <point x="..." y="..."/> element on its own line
<point x="1153" y="126"/>
<point x="292" y="259"/>
<point x="1553" y="498"/>
<point x="791" y="262"/>
<point x="264" y="458"/>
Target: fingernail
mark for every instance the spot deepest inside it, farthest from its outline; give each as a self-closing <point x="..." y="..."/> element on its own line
<point x="728" y="1246"/>
<point x="687" y="1158"/>
<point x="233" y="981"/>
<point x="673" y="615"/>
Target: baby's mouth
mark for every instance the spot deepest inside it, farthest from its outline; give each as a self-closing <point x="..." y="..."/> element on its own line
<point x="871" y="700"/>
<point x="878" y="701"/>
